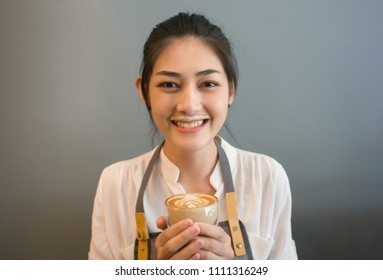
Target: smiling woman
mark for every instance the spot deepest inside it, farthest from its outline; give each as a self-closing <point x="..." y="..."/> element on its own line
<point x="188" y="81"/>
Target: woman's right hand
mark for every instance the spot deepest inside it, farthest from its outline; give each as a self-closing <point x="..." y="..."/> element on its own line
<point x="179" y="241"/>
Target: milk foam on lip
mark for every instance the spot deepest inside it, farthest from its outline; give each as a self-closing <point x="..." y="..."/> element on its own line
<point x="189" y="121"/>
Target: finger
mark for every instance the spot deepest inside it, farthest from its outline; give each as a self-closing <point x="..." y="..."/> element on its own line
<point x="215" y="232"/>
<point x="217" y="243"/>
<point x="209" y="255"/>
<point x="195" y="257"/>
<point x="173" y="231"/>
<point x="161" y="223"/>
<point x="190" y="251"/>
<point x="215" y="250"/>
<point x="180" y="246"/>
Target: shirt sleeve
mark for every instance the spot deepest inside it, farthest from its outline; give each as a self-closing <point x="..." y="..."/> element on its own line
<point x="284" y="245"/>
<point x="99" y="247"/>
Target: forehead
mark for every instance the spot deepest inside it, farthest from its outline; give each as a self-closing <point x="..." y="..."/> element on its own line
<point x="186" y="55"/>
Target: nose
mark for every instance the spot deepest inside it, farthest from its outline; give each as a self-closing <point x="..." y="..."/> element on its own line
<point x="189" y="100"/>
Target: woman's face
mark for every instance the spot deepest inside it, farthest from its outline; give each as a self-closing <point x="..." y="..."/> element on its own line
<point x="189" y="94"/>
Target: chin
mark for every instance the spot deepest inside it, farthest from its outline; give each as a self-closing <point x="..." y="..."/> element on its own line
<point x="189" y="144"/>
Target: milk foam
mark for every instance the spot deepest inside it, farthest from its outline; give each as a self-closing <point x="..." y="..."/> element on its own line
<point x="191" y="202"/>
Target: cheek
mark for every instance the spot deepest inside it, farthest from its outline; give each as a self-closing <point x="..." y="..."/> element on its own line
<point x="160" y="112"/>
<point x="219" y="106"/>
<point x="160" y="106"/>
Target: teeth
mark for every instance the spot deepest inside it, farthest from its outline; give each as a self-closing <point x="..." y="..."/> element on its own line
<point x="189" y="124"/>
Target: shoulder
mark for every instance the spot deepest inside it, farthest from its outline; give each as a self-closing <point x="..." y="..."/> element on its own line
<point x="263" y="163"/>
<point x="257" y="170"/>
<point x="131" y="163"/>
<point x="126" y="170"/>
<point x="251" y="160"/>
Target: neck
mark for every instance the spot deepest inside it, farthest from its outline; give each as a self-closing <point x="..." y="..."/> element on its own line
<point x="195" y="167"/>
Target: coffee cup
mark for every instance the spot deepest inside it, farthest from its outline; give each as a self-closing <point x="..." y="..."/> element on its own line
<point x="199" y="207"/>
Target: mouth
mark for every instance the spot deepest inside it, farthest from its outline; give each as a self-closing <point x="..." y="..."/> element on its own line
<point x="190" y="122"/>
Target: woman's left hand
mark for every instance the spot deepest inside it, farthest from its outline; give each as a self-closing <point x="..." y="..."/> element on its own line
<point x="216" y="243"/>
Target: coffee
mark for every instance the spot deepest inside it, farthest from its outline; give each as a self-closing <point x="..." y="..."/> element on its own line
<point x="199" y="207"/>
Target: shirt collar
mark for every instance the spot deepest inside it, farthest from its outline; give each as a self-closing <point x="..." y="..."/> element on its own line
<point x="171" y="172"/>
<point x="216" y="177"/>
<point x="167" y="168"/>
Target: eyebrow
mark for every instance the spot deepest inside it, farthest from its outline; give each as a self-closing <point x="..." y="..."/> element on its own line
<point x="198" y="74"/>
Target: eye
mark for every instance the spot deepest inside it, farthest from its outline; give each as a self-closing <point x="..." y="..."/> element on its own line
<point x="209" y="84"/>
<point x="168" y="85"/>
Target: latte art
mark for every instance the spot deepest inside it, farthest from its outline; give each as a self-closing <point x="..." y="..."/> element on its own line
<point x="196" y="206"/>
<point x="194" y="203"/>
<point x="191" y="201"/>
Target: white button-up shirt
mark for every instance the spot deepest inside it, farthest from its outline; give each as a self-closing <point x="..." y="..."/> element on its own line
<point x="261" y="186"/>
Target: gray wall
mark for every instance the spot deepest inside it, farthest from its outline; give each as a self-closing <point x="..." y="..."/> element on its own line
<point x="310" y="95"/>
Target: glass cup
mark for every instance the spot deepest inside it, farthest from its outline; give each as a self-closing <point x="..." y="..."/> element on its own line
<point x="200" y="207"/>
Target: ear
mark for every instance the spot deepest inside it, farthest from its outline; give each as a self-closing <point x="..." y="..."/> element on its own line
<point x="140" y="92"/>
<point x="231" y="94"/>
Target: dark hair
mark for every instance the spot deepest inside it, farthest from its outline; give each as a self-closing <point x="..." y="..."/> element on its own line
<point x="182" y="25"/>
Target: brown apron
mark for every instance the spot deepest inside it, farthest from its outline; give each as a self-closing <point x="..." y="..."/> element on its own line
<point x="145" y="248"/>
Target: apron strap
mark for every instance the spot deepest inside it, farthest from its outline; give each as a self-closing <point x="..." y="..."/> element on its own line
<point x="142" y="229"/>
<point x="145" y="179"/>
<point x="231" y="202"/>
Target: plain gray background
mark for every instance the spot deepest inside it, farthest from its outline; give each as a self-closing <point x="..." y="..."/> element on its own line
<point x="310" y="95"/>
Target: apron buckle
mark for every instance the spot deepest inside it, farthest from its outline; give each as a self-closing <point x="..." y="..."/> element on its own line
<point x="142" y="236"/>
